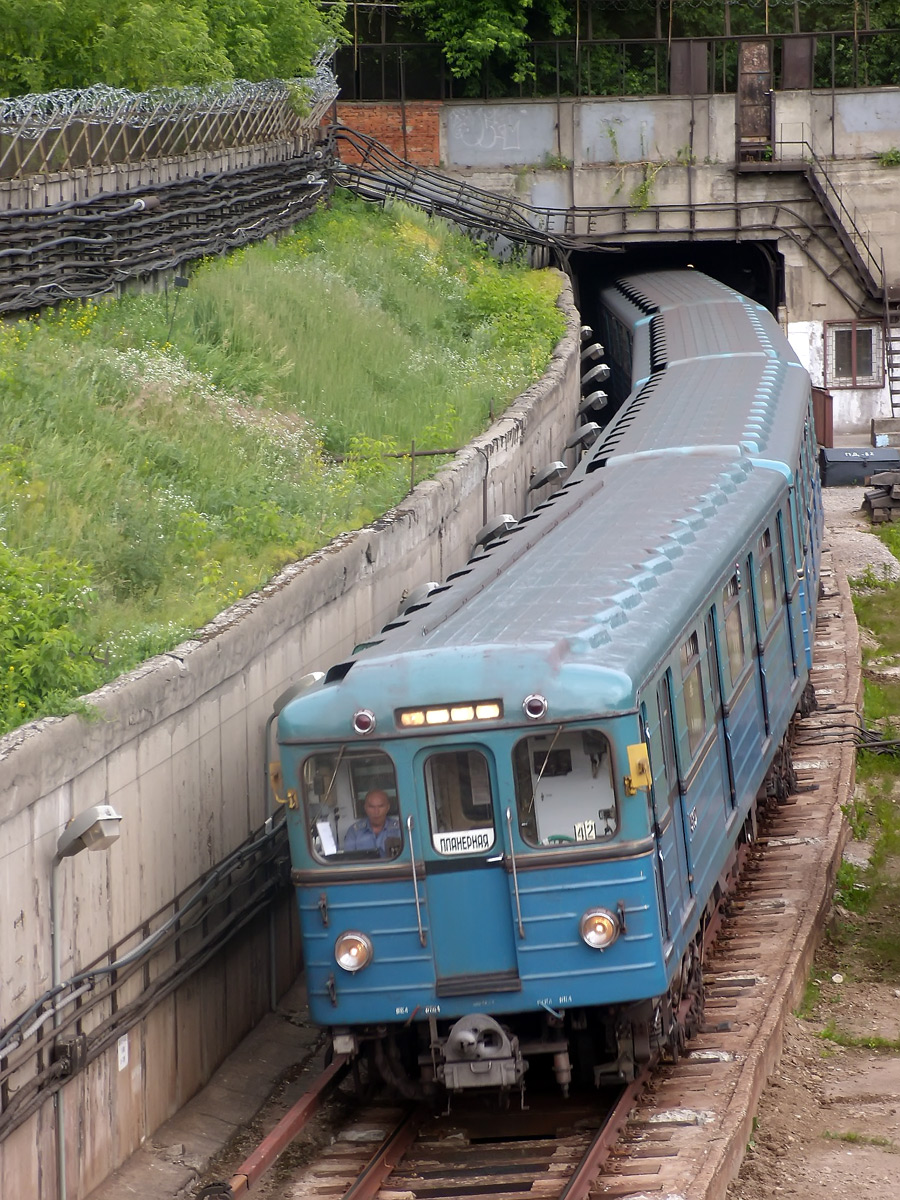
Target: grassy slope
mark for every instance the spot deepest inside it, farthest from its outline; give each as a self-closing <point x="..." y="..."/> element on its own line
<point x="163" y="455"/>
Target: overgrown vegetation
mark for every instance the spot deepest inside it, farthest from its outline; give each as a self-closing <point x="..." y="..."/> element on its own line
<point x="164" y="455"/>
<point x="500" y="47"/>
<point x="863" y="941"/>
<point x="47" y="44"/>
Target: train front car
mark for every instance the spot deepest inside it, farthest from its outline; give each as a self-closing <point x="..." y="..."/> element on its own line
<point x="510" y="812"/>
<point x="508" y="884"/>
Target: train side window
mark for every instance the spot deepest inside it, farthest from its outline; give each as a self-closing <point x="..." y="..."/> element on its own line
<point x="692" y="686"/>
<point x="460" y="804"/>
<point x="767" y="580"/>
<point x="734" y="628"/>
<point x="350" y="805"/>
<point x="564" y="787"/>
<point x="670" y="762"/>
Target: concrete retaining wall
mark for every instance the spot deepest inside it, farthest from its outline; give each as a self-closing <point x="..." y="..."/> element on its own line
<point x="178" y="751"/>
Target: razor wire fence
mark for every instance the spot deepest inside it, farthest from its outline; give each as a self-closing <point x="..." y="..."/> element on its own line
<point x="67" y="130"/>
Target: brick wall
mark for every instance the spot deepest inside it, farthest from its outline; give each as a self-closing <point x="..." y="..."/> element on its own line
<point x="384" y="121"/>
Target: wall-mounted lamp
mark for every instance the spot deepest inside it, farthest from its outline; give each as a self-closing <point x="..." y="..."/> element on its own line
<point x="595" y="375"/>
<point x="94" y="829"/>
<point x="585" y="435"/>
<point x="595" y="400"/>
<point x="549" y="474"/>
<point x="501" y="525"/>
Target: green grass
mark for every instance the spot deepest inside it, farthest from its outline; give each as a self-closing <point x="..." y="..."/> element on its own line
<point x="163" y="455"/>
<point x="865" y="936"/>
<point x="861" y="1139"/>
<point x="838" y="1037"/>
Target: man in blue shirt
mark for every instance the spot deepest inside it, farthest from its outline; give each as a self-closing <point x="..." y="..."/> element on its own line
<point x="377" y="830"/>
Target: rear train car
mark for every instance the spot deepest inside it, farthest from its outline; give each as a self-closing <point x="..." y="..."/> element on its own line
<point x="513" y="810"/>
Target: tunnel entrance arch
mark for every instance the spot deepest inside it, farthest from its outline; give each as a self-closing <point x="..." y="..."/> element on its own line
<point x="755" y="268"/>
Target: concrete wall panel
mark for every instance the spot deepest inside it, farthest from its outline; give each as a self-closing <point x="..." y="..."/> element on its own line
<point x="24" y="1165"/>
<point x="509" y="134"/>
<point x="160" y="1086"/>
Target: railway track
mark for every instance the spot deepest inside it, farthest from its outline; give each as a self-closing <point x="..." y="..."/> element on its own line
<point x="681" y="1131"/>
<point x="551" y="1149"/>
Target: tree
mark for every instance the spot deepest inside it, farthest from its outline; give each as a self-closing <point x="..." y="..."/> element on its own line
<point x="140" y="44"/>
<point x="471" y="32"/>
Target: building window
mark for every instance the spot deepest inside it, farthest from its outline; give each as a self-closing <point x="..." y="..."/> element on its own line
<point x="854" y="355"/>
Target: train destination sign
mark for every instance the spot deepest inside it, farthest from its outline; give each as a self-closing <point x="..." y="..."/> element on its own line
<point x="469" y="841"/>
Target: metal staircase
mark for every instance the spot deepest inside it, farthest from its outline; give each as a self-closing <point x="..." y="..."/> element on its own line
<point x="892" y="344"/>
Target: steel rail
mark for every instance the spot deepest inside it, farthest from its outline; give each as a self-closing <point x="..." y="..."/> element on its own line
<point x="583" y="1178"/>
<point x="268" y="1150"/>
<point x="388" y="1156"/>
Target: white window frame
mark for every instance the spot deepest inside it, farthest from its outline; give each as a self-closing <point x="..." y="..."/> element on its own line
<point x="854" y="380"/>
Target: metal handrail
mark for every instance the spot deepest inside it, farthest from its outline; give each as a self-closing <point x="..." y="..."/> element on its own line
<point x="858" y="233"/>
<point x="412" y="855"/>
<point x="515" y="874"/>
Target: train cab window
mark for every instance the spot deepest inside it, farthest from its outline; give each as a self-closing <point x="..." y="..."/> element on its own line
<point x="692" y="684"/>
<point x="350" y="806"/>
<point x="767" y="584"/>
<point x="460" y="805"/>
<point x="564" y="787"/>
<point x="734" y="630"/>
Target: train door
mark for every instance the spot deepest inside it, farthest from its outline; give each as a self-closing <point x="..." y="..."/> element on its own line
<point x="667" y="790"/>
<point x="756" y="637"/>
<point x="723" y="737"/>
<point x="460" y="839"/>
<point x="791" y="583"/>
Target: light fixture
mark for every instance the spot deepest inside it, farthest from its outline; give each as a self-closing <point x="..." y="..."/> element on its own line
<point x="596" y="399"/>
<point x="94" y="829"/>
<point x="599" y="928"/>
<point x="585" y="436"/>
<point x="549" y="474"/>
<point x="496" y="528"/>
<point x="352" y="951"/>
<point x="534" y="707"/>
<point x="450" y="714"/>
<point x="595" y="375"/>
<point x="418" y="595"/>
<point x="363" y="721"/>
<point x="593" y="352"/>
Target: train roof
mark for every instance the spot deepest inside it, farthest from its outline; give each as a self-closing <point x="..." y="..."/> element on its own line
<point x="712" y="368"/>
<point x="629" y="544"/>
<point x="596" y="585"/>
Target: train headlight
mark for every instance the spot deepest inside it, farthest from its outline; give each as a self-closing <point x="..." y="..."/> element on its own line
<point x="599" y="928"/>
<point x="352" y="951"/>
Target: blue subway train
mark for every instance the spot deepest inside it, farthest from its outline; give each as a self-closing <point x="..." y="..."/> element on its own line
<point x="513" y="812"/>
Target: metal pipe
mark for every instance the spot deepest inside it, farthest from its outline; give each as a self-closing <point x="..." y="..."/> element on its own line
<point x="55" y="972"/>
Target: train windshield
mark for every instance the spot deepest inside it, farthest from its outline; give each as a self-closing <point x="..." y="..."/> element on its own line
<point x="460" y="805"/>
<point x="564" y="787"/>
<point x="350" y="805"/>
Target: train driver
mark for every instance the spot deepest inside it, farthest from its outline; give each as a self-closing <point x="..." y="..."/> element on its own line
<point x="378" y="830"/>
